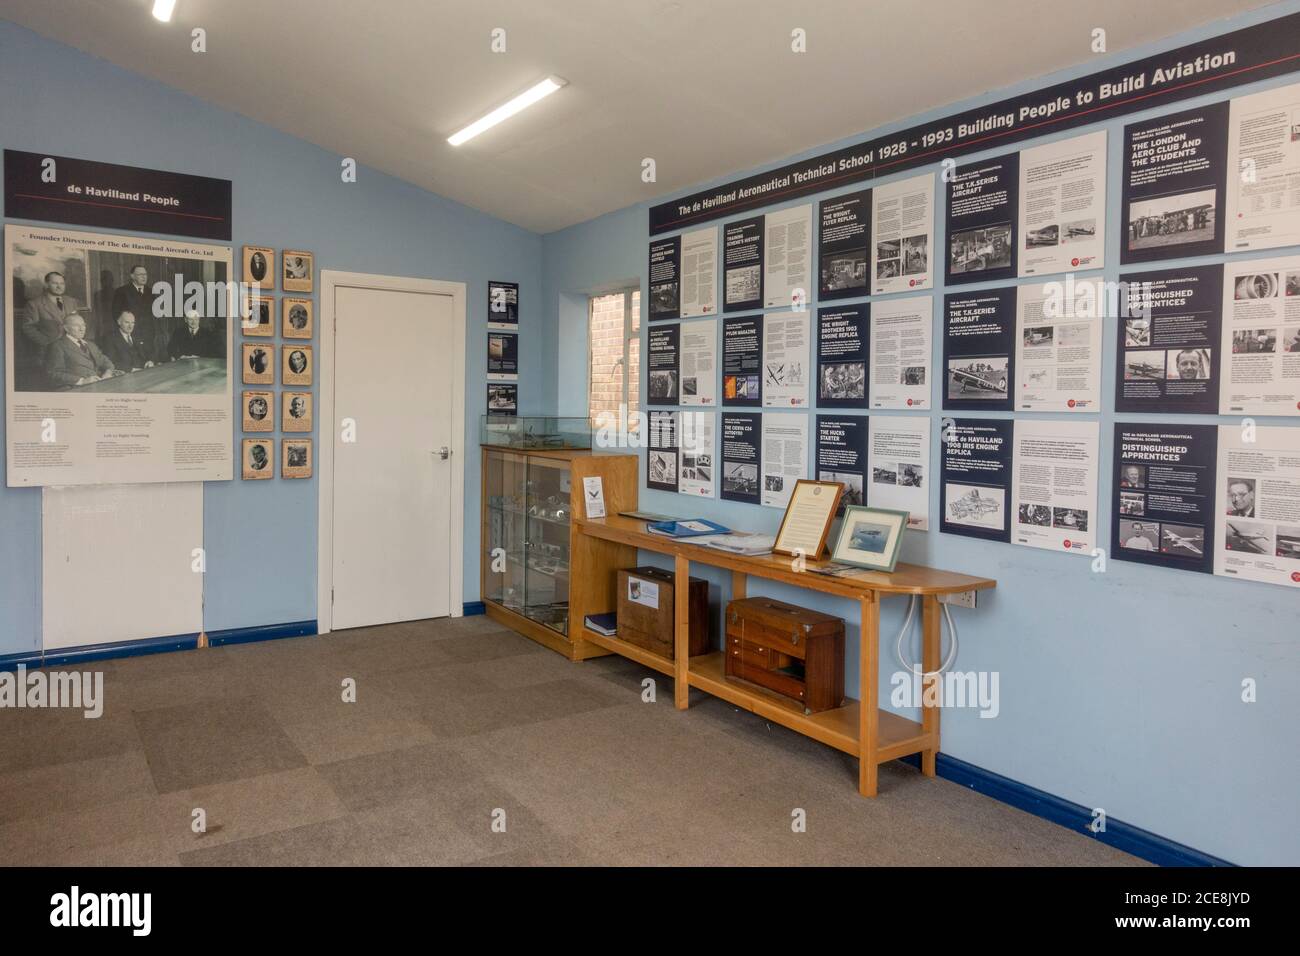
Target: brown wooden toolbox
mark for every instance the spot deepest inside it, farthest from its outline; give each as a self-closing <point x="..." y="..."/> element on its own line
<point x="792" y="650"/>
<point x="651" y="627"/>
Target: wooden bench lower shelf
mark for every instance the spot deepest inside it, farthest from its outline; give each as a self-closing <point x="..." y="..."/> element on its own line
<point x="837" y="728"/>
<point x="631" y="651"/>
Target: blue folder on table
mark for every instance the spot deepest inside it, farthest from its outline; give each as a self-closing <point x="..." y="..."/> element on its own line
<point x="693" y="528"/>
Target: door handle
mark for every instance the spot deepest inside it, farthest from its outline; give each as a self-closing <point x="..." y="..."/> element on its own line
<point x="444" y="453"/>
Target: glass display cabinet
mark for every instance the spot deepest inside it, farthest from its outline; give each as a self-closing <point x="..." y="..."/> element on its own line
<point x="535" y="432"/>
<point x="531" y="578"/>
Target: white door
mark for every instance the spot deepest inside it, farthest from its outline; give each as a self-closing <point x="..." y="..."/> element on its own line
<point x="393" y="378"/>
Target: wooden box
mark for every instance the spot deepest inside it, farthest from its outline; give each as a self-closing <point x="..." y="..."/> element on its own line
<point x="651" y="627"/>
<point x="791" y="650"/>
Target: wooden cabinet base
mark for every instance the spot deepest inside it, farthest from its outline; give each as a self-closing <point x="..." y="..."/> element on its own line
<point x="579" y="650"/>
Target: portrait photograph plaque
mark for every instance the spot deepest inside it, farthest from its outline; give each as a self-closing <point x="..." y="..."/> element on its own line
<point x="259" y="411"/>
<point x="295" y="412"/>
<point x="259" y="266"/>
<point x="297" y="320"/>
<point x="258" y="363"/>
<point x="299" y="269"/>
<point x="258" y="316"/>
<point x="297" y="368"/>
<point x="258" y="458"/>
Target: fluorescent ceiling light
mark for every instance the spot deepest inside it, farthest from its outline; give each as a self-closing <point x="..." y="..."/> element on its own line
<point x="519" y="103"/>
<point x="162" y="10"/>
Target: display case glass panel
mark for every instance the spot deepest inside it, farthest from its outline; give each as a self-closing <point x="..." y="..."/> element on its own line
<point x="527" y="536"/>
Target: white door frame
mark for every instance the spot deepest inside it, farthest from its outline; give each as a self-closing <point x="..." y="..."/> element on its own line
<point x="330" y="281"/>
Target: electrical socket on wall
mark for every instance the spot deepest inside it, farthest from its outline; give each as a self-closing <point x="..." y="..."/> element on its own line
<point x="959" y="599"/>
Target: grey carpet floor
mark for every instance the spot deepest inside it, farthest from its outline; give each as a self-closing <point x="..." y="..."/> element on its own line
<point x="460" y="726"/>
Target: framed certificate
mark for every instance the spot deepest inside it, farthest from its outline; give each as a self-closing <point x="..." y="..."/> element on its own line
<point x="808" y="517"/>
<point x="870" y="538"/>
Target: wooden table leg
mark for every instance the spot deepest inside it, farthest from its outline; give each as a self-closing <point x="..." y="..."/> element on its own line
<point x="869" y="691"/>
<point x="739" y="582"/>
<point x="681" y="632"/>
<point x="930" y="663"/>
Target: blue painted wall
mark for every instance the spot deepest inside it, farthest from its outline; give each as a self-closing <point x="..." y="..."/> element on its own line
<point x="1119" y="690"/>
<point x="287" y="194"/>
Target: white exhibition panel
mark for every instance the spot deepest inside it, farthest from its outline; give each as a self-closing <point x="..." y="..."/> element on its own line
<point x="118" y="563"/>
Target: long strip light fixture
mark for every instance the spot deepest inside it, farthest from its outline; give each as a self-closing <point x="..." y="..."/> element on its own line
<point x="502" y="113"/>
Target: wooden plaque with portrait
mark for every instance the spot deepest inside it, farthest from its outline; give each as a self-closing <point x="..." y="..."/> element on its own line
<point x="258" y="316"/>
<point x="259" y="266"/>
<point x="258" y="363"/>
<point x="297" y="320"/>
<point x="295" y="411"/>
<point x="298" y="269"/>
<point x="297" y="458"/>
<point x="258" y="456"/>
<point x="259" y="411"/>
<point x="296" y="365"/>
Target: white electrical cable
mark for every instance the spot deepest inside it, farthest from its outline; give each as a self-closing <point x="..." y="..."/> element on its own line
<point x="907" y="627"/>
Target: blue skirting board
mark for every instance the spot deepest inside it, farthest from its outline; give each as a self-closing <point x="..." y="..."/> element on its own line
<point x="265" y="632"/>
<point x="1073" y="816"/>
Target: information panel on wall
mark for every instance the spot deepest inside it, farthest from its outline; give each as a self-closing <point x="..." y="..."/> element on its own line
<point x="901" y="331"/>
<point x="661" y="455"/>
<point x="1257" y="526"/>
<point x="841" y="455"/>
<point x="898" y="466"/>
<point x="1171" y="204"/>
<point x="1054" y="485"/>
<point x="1262" y="208"/>
<point x="1063" y="206"/>
<point x="843" y="245"/>
<point x="82" y="408"/>
<point x="1163" y="495"/>
<point x="663" y="359"/>
<point x="1058" y="351"/>
<point x="785" y="456"/>
<point x="742" y="361"/>
<point x="1169" y="329"/>
<point x="902" y="253"/>
<point x="787" y="251"/>
<point x="983" y="212"/>
<point x="742" y="265"/>
<point x="979" y="349"/>
<point x="785" y="360"/>
<point x="741" y="456"/>
<point x="1260" y="342"/>
<point x="975" y="478"/>
<point x="843" y="355"/>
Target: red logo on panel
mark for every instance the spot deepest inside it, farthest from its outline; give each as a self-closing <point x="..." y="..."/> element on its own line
<point x="909" y="401"/>
<point x="1295" y="576"/>
<point x="1067" y="543"/>
<point x="1070" y="403"/>
<point x="1074" y="261"/>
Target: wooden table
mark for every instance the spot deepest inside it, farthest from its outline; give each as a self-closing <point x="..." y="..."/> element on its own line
<point x="190" y="376"/>
<point x="860" y="728"/>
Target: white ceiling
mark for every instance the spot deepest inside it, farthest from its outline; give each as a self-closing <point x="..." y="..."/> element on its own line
<point x="705" y="87"/>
